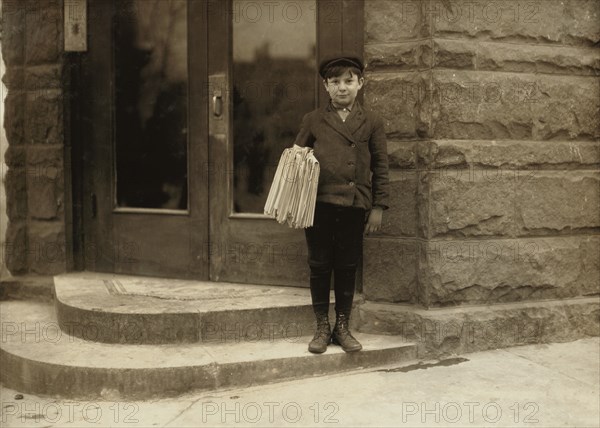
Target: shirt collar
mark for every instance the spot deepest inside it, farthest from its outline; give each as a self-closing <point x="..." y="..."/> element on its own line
<point x="331" y="107"/>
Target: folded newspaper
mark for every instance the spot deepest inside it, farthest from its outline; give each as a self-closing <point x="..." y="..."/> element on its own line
<point x="293" y="192"/>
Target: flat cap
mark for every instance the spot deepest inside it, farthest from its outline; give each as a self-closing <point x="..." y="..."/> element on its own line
<point x="351" y="60"/>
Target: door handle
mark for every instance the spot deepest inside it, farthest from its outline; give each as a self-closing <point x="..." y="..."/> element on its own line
<point x="216" y="98"/>
<point x="217" y="103"/>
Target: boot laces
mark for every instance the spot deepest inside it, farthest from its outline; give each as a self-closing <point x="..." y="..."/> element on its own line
<point x="342" y="324"/>
<point x="323" y="328"/>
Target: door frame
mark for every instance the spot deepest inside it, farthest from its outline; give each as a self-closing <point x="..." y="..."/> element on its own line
<point x="112" y="240"/>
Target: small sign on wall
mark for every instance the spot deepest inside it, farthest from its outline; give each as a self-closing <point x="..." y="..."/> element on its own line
<point x="75" y="25"/>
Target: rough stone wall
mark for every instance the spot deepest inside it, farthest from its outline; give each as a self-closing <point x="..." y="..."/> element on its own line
<point x="32" y="43"/>
<point x="492" y="114"/>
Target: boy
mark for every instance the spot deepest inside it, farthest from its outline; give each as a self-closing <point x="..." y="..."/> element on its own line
<point x="350" y="144"/>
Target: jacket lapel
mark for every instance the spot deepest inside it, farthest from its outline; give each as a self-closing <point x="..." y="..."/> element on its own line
<point x="353" y="122"/>
<point x="333" y="119"/>
<point x="355" y="118"/>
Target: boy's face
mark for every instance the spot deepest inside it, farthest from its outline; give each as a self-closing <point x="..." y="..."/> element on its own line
<point x="343" y="89"/>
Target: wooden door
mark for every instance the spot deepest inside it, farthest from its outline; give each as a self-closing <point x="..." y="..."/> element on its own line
<point x="144" y="128"/>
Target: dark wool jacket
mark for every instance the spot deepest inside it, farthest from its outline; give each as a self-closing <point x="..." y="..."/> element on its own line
<point x="352" y="156"/>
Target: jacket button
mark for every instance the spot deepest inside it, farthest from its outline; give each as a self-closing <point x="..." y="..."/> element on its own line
<point x="351" y="183"/>
<point x="352" y="145"/>
<point x="350" y="163"/>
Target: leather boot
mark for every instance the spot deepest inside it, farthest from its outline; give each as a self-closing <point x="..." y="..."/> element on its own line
<point x="322" y="336"/>
<point x="342" y="336"/>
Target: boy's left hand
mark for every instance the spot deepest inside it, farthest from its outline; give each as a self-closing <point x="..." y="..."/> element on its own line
<point x="374" y="222"/>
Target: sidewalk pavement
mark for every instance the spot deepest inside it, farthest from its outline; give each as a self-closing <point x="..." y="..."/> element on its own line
<point x="547" y="385"/>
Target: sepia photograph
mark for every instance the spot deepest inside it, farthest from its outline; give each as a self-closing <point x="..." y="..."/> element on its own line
<point x="300" y="213"/>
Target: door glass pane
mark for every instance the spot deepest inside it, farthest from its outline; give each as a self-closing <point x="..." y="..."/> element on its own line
<point x="273" y="87"/>
<point x="150" y="66"/>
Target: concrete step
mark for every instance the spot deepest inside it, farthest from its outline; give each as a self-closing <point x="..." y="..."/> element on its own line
<point x="113" y="308"/>
<point x="37" y="357"/>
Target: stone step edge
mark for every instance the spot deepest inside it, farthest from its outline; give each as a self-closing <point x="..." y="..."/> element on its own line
<point x="33" y="377"/>
<point x="95" y="355"/>
<point x="143" y="322"/>
<point x="246" y="324"/>
<point x="188" y="327"/>
<point x="29" y="327"/>
<point x="73" y="367"/>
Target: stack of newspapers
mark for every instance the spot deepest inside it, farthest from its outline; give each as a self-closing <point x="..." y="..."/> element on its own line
<point x="293" y="193"/>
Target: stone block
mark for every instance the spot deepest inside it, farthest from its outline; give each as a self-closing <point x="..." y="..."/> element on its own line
<point x="41" y="77"/>
<point x="509" y="154"/>
<point x="509" y="202"/>
<point x="388" y="21"/>
<point x="489" y="271"/>
<point x="46" y="247"/>
<point x="44" y="201"/>
<point x="494" y="56"/>
<point x="402" y="100"/>
<point x="399" y="56"/>
<point x="480" y="105"/>
<point x="14" y="118"/>
<point x="566" y="22"/>
<point x="401" y="217"/>
<point x="390" y="269"/>
<point x="14" y="157"/>
<point x="14" y="78"/>
<point x="402" y="154"/>
<point x="558" y="202"/>
<point x="46" y="163"/>
<point x="468" y="202"/>
<point x="15" y="247"/>
<point x="27" y="287"/>
<point x="15" y="183"/>
<point x="447" y="331"/>
<point x="13" y="33"/>
<point x="43" y="43"/>
<point x="44" y="112"/>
